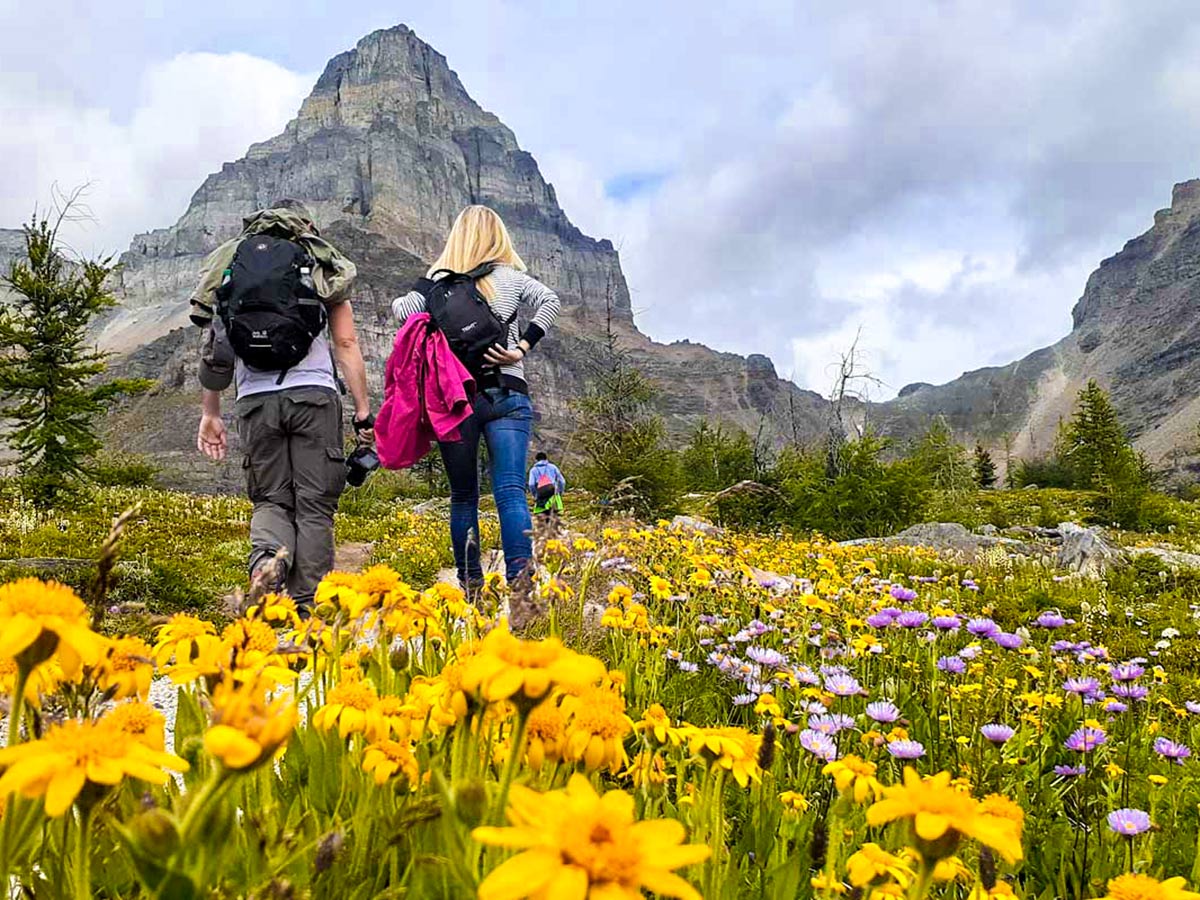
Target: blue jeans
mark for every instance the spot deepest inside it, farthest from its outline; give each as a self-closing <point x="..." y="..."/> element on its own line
<point x="504" y="419"/>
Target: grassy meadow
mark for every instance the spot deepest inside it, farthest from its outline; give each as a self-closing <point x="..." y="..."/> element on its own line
<point x="723" y="715"/>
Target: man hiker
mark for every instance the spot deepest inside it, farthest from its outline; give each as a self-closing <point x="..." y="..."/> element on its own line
<point x="547" y="484"/>
<point x="274" y="303"/>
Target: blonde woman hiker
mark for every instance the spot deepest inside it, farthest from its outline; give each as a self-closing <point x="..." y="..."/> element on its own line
<point x="476" y="286"/>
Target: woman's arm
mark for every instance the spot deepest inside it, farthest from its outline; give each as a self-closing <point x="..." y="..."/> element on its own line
<point x="545" y="305"/>
<point x="409" y="305"/>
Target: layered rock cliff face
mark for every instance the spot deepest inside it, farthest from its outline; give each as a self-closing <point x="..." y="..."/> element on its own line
<point x="386" y="150"/>
<point x="1136" y="331"/>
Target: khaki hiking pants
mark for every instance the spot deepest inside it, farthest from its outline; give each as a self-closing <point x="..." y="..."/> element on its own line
<point x="295" y="472"/>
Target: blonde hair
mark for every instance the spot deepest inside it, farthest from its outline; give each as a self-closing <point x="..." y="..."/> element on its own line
<point x="478" y="236"/>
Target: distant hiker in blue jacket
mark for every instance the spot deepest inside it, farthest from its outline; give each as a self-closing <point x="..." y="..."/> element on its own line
<point x="547" y="484"/>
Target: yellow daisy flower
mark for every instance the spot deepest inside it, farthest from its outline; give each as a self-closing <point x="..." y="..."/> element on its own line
<point x="181" y="638"/>
<point x="872" y="863"/>
<point x="856" y="777"/>
<point x="346" y="707"/>
<point x="939" y="815"/>
<point x="505" y="667"/>
<point x="127" y="668"/>
<point x="248" y="726"/>
<point x="140" y="721"/>
<point x="387" y="759"/>
<point x="72" y="754"/>
<point x="1143" y="887"/>
<point x="577" y="843"/>
<point x="39" y="619"/>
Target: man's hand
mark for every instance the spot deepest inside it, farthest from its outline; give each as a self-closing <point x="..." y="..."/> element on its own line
<point x="211" y="438"/>
<point x="364" y="427"/>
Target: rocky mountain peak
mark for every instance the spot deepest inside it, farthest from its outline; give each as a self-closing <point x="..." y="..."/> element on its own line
<point x="386" y="150"/>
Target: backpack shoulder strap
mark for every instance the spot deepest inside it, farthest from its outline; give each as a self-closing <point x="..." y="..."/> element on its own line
<point x="482" y="270"/>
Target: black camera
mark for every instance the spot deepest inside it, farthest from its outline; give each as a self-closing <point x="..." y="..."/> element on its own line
<point x="360" y="464"/>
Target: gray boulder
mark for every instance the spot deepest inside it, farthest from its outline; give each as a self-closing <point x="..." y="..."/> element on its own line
<point x="691" y="523"/>
<point x="1086" y="550"/>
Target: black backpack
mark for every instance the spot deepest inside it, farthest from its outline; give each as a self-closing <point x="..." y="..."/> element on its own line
<point x="463" y="314"/>
<point x="269" y="305"/>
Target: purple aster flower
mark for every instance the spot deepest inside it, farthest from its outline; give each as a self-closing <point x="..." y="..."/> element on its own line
<point x="805" y="675"/>
<point x="946" y="623"/>
<point x="1007" y="641"/>
<point x="1128" y="822"/>
<point x="906" y="749"/>
<point x="1069" y="771"/>
<point x="765" y="656"/>
<point x="1115" y="706"/>
<point x="830" y="723"/>
<point x="1129" y="671"/>
<point x="969" y="584"/>
<point x="911" y="619"/>
<point x="744" y="699"/>
<point x="685" y="666"/>
<point x="902" y="594"/>
<point x="954" y="665"/>
<point x="970" y="652"/>
<point x="1082" y="686"/>
<point x="883" y="711"/>
<point x="1192" y="706"/>
<point x="1063" y="647"/>
<point x="1127" y="691"/>
<point x="1052" y="618"/>
<point x="997" y="733"/>
<point x="1086" y="739"/>
<point x="879" y="620"/>
<point x="982" y="627"/>
<point x="814" y="708"/>
<point x="842" y="685"/>
<point x="1168" y="749"/>
<point x="820" y="745"/>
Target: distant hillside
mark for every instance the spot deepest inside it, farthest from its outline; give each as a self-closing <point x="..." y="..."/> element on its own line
<point x="1136" y="331"/>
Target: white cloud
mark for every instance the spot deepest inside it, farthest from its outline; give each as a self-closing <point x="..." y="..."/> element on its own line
<point x="193" y="112"/>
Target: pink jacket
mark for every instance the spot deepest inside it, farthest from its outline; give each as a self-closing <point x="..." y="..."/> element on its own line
<point x="427" y="394"/>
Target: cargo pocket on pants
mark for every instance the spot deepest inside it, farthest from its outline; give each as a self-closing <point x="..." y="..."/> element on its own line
<point x="248" y="473"/>
<point x="336" y="483"/>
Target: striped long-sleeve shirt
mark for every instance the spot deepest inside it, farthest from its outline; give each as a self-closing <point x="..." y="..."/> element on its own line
<point x="510" y="289"/>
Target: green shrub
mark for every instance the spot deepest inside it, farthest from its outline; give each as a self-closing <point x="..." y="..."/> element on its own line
<point x="848" y="491"/>
<point x="123" y="470"/>
<point x="1047" y="472"/>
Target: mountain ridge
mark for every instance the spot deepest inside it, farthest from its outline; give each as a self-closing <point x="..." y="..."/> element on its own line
<point x="1136" y="331"/>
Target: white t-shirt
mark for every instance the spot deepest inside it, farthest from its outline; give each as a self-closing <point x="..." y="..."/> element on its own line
<point x="315" y="370"/>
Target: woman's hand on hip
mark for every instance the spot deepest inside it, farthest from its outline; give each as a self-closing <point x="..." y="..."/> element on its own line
<point x="501" y="356"/>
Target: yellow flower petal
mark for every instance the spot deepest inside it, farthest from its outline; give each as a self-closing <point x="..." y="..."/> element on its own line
<point x="64" y="788"/>
<point x="524" y="874"/>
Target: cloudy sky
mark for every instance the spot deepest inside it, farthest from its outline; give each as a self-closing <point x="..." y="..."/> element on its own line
<point x="779" y="176"/>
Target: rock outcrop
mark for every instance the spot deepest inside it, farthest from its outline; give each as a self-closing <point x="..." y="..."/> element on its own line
<point x="387" y="149"/>
<point x="1136" y="332"/>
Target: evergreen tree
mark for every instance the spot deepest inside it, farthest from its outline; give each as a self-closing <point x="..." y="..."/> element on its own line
<point x="942" y="460"/>
<point x="716" y="458"/>
<point x="1093" y="443"/>
<point x="985" y="469"/>
<point x="626" y="460"/>
<point x="49" y="389"/>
